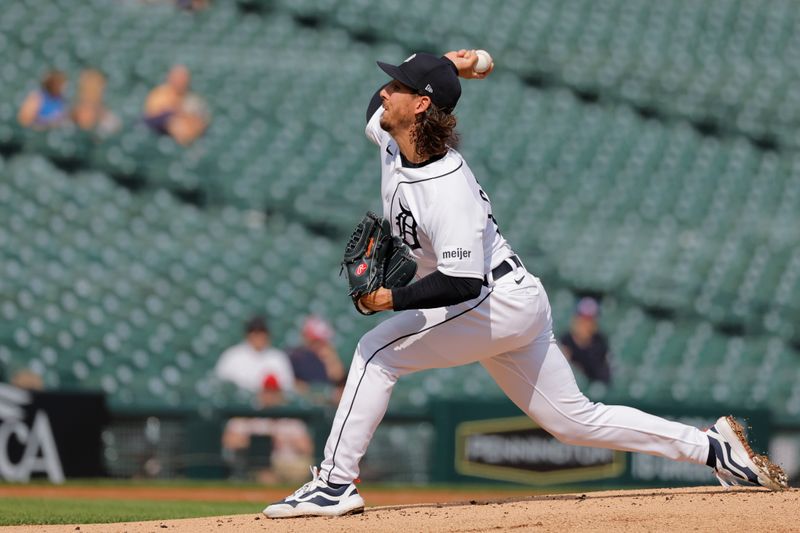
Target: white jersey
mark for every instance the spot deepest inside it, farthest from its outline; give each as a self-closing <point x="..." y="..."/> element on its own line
<point x="444" y="216"/>
<point x="462" y="240"/>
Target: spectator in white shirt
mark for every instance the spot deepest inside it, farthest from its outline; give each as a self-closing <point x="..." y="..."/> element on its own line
<point x="256" y="366"/>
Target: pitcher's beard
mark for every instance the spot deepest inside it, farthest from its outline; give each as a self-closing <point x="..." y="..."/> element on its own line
<point x="394" y="127"/>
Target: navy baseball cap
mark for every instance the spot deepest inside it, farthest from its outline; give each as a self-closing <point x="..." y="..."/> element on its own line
<point x="256" y="324"/>
<point x="429" y="75"/>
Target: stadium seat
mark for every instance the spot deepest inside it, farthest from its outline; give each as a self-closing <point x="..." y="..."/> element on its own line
<point x="637" y="150"/>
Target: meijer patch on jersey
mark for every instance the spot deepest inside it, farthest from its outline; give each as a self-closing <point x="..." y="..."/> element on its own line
<point x="456" y="253"/>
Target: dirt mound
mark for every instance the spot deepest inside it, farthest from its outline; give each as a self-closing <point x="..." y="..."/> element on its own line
<point x="690" y="509"/>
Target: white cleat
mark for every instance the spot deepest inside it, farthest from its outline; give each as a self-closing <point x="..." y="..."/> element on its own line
<point x="317" y="498"/>
<point x="737" y="462"/>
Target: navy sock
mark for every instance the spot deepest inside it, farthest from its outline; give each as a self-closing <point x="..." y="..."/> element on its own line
<point x="337" y="485"/>
<point x="712" y="459"/>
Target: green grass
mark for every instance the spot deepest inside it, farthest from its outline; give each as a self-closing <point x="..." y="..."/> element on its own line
<point x="36" y="511"/>
<point x="166" y="483"/>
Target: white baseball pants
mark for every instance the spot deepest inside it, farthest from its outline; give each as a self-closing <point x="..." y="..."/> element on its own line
<point x="509" y="330"/>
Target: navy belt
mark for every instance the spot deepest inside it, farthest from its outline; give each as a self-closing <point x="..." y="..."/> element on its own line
<point x="502" y="269"/>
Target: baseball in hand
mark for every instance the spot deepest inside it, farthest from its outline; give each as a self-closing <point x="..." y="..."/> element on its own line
<point x="484" y="61"/>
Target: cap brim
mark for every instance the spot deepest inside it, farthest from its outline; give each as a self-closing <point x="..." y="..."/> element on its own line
<point x="395" y="72"/>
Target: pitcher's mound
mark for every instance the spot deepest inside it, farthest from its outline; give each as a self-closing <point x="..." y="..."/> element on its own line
<point x="687" y="509"/>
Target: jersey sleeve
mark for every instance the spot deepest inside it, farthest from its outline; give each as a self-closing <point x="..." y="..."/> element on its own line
<point x="374" y="131"/>
<point x="374" y="103"/>
<point x="456" y="231"/>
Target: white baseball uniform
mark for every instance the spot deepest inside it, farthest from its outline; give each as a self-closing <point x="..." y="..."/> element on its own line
<point x="442" y="213"/>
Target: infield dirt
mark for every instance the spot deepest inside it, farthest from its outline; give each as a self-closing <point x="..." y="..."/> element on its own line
<point x="687" y="509"/>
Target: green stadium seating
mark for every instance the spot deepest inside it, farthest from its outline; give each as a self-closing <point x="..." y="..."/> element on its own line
<point x="642" y="151"/>
<point x="721" y="63"/>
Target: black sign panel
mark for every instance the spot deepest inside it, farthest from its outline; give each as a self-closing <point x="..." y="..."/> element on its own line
<point x="51" y="434"/>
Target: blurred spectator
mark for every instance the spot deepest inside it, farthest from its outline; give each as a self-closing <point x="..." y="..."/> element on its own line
<point x="89" y="112"/>
<point x="584" y="345"/>
<point x="192" y="5"/>
<point x="27" y="379"/>
<point x="256" y="366"/>
<point x="316" y="362"/>
<point x="170" y="109"/>
<point x="45" y="107"/>
<point x="188" y="5"/>
<point x="292" y="450"/>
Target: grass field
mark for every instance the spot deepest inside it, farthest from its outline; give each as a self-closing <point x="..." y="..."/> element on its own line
<point x="36" y="511"/>
<point x="693" y="508"/>
<point x="105" y="501"/>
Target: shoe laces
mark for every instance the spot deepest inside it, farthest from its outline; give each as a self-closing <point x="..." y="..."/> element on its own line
<point x="315" y="482"/>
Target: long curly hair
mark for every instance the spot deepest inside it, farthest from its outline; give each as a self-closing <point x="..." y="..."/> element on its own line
<point x="435" y="131"/>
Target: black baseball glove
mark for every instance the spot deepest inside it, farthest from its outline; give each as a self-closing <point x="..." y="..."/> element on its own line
<point x="374" y="259"/>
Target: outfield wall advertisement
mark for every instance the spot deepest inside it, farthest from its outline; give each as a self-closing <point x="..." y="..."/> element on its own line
<point x="50" y="435"/>
<point x="516" y="449"/>
<point x="495" y="442"/>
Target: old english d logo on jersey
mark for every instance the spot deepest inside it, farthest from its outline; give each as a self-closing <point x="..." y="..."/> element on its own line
<point x="407" y="227"/>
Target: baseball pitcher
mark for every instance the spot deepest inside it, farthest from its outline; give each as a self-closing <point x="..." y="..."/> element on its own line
<point x="473" y="300"/>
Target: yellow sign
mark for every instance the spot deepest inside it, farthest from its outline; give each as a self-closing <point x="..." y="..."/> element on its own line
<point x="516" y="449"/>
